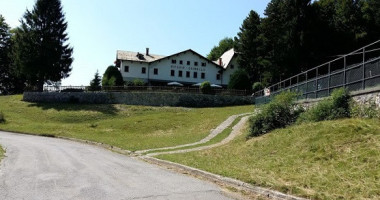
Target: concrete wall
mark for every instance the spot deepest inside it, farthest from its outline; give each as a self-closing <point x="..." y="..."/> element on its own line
<point x="147" y="99"/>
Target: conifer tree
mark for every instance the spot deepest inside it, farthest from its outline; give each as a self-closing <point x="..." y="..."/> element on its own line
<point x="41" y="50"/>
<point x="95" y="84"/>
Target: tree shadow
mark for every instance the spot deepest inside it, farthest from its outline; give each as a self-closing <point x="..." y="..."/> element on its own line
<point x="108" y="109"/>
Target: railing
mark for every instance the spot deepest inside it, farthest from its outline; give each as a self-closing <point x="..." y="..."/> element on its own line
<point x="167" y="89"/>
<point x="358" y="70"/>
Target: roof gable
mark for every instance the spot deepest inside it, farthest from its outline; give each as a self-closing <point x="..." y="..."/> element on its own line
<point x="226" y="58"/>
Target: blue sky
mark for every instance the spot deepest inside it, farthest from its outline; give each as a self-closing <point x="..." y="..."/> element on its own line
<point x="97" y="28"/>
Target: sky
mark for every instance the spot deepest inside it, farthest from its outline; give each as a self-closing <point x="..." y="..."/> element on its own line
<point x="98" y="28"/>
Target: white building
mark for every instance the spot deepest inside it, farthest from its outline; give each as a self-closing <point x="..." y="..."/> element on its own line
<point x="187" y="67"/>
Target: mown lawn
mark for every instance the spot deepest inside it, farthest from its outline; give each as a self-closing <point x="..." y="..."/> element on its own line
<point x="124" y="126"/>
<point x="326" y="160"/>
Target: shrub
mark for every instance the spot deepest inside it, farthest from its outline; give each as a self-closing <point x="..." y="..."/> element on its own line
<point x="257" y="87"/>
<point x="112" y="77"/>
<point x="2" y="118"/>
<point x="279" y="113"/>
<point x="138" y="82"/>
<point x="206" y="87"/>
<point x="239" y="80"/>
<point x="72" y="90"/>
<point x="334" y="107"/>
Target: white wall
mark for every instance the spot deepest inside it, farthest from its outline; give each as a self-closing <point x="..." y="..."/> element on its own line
<point x="228" y="72"/>
<point x="165" y="66"/>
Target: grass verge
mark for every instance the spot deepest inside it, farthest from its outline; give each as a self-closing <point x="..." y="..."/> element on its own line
<point x="325" y="160"/>
<point x="1" y="153"/>
<point x="220" y="137"/>
<point x="127" y="127"/>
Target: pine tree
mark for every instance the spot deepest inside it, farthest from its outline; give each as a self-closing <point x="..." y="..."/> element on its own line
<point x="247" y="43"/>
<point x="41" y="51"/>
<point x="95" y="84"/>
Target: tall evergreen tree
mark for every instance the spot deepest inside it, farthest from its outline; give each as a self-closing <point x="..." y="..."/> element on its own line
<point x="5" y="38"/>
<point x="247" y="43"/>
<point x="41" y="50"/>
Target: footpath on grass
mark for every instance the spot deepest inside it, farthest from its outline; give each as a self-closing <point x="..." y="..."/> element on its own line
<point x="246" y="188"/>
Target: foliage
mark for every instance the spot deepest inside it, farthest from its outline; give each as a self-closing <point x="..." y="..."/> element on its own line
<point x="296" y="35"/>
<point x="138" y="82"/>
<point x="334" y="107"/>
<point x="279" y="113"/>
<point x="217" y="51"/>
<point x="206" y="87"/>
<point x="41" y="51"/>
<point x="112" y="77"/>
<point x="247" y="43"/>
<point x="257" y="87"/>
<point x="72" y="90"/>
<point x="95" y="84"/>
<point x="239" y="80"/>
<point x="364" y="111"/>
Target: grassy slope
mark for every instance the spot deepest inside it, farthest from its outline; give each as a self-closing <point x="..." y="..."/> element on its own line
<point x="325" y="160"/>
<point x="128" y="127"/>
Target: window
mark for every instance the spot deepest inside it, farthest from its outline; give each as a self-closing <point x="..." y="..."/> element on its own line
<point x="187" y="74"/>
<point x="174" y="61"/>
<point x="203" y="75"/>
<point x="195" y="75"/>
<point x="232" y="66"/>
<point x="203" y="64"/>
<point x="143" y="70"/>
<point x="172" y="72"/>
<point x="188" y="62"/>
<point x="195" y="63"/>
<point x="155" y="71"/>
<point x="218" y="77"/>
<point x="126" y="68"/>
<point x="180" y="62"/>
<point x="180" y="73"/>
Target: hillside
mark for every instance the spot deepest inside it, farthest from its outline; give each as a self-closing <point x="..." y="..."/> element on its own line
<point x="326" y="160"/>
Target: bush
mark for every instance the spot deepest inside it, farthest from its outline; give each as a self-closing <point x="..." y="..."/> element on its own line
<point x="2" y="118"/>
<point x="112" y="77"/>
<point x="240" y="80"/>
<point x="206" y="87"/>
<point x="138" y="82"/>
<point x="72" y="90"/>
<point x="334" y="107"/>
<point x="257" y="87"/>
<point x="279" y="113"/>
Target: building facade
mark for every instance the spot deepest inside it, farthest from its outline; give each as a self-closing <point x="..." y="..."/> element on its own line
<point x="187" y="67"/>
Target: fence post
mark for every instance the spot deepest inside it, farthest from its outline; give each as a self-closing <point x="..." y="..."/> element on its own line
<point x="344" y="71"/>
<point x="329" y="79"/>
<point x="363" y="77"/>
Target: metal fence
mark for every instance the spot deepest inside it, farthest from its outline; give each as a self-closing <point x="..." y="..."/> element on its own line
<point x="358" y="70"/>
<point x="167" y="89"/>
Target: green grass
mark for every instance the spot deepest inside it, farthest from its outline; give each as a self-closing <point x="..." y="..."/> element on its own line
<point x="325" y="160"/>
<point x="124" y="126"/>
<point x="221" y="136"/>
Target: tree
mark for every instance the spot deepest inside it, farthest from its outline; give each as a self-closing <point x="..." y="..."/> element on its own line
<point x="41" y="51"/>
<point x="240" y="80"/>
<point x="95" y="84"/>
<point x="224" y="45"/>
<point x="10" y="83"/>
<point x="247" y="43"/>
<point x="112" y="77"/>
<point x="206" y="87"/>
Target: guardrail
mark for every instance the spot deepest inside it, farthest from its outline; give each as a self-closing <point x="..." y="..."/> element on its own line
<point x="168" y="89"/>
<point x="358" y="70"/>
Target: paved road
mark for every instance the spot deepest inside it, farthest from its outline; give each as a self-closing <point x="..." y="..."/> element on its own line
<point x="50" y="168"/>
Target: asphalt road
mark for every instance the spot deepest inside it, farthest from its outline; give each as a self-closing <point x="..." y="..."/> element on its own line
<point x="50" y="168"/>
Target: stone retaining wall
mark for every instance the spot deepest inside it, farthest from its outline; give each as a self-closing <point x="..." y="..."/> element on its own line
<point x="366" y="97"/>
<point x="138" y="98"/>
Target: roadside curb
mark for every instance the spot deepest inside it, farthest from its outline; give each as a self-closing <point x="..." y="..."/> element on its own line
<point x="221" y="180"/>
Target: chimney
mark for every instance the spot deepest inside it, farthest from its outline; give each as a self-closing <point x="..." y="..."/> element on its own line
<point x="220" y="61"/>
<point x="147" y="51"/>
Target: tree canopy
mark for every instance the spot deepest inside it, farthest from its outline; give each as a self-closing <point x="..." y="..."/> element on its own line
<point x="112" y="77"/>
<point x="41" y="51"/>
<point x="224" y="45"/>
